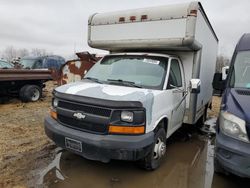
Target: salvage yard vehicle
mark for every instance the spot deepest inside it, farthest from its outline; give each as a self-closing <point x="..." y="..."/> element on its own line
<point x="27" y="84"/>
<point x="5" y="65"/>
<point x="157" y="76"/>
<point x="232" y="148"/>
<point x="74" y="70"/>
<point x="43" y="62"/>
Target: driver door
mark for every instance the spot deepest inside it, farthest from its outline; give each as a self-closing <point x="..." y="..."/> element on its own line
<point x="176" y="83"/>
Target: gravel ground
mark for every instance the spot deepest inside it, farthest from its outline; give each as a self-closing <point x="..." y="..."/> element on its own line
<point x="23" y="141"/>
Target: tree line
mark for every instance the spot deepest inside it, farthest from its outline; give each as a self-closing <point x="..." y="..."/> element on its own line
<point x="10" y="53"/>
<point x="222" y="61"/>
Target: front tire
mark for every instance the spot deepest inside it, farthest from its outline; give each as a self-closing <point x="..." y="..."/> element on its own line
<point x="153" y="160"/>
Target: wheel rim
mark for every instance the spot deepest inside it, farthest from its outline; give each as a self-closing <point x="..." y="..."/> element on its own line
<point x="159" y="149"/>
<point x="35" y="95"/>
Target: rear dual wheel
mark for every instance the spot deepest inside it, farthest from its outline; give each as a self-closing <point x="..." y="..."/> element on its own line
<point x="30" y="93"/>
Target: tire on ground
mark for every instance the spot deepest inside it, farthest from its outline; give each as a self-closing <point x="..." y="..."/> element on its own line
<point x="30" y="93"/>
<point x="152" y="161"/>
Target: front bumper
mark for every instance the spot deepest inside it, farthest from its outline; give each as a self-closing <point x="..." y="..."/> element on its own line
<point x="101" y="147"/>
<point x="233" y="155"/>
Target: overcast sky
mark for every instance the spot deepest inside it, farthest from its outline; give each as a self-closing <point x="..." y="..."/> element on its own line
<point x="60" y="26"/>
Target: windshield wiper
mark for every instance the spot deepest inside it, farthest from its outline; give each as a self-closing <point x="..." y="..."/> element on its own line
<point x="94" y="80"/>
<point x="124" y="82"/>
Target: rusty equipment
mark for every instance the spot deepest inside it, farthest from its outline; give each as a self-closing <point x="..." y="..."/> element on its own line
<point x="74" y="70"/>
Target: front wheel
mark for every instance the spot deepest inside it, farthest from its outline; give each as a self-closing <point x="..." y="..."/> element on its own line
<point x="153" y="160"/>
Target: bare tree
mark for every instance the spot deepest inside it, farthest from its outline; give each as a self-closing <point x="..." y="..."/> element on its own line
<point x="9" y="53"/>
<point x="23" y="52"/>
<point x="39" y="52"/>
<point x="221" y="62"/>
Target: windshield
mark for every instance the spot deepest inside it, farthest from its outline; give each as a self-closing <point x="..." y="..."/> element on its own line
<point x="241" y="70"/>
<point x="27" y="63"/>
<point x="135" y="70"/>
<point x="4" y="64"/>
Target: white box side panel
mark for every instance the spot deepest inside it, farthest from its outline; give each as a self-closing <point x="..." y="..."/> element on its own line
<point x="204" y="35"/>
<point x="162" y="29"/>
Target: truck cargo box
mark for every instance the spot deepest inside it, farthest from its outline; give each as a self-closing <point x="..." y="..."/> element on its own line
<point x="158" y="28"/>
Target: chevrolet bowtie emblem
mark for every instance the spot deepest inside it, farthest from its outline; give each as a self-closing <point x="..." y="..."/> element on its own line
<point x="79" y="115"/>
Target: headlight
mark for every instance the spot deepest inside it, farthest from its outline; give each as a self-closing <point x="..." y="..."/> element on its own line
<point x="233" y="126"/>
<point x="55" y="102"/>
<point x="127" y="116"/>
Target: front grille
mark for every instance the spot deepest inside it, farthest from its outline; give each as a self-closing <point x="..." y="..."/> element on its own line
<point x="243" y="92"/>
<point x="81" y="125"/>
<point x="85" y="108"/>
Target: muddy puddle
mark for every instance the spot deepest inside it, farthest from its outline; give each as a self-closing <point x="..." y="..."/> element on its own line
<point x="180" y="169"/>
<point x="189" y="164"/>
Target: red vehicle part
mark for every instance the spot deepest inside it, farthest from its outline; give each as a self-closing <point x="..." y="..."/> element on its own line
<point x="74" y="70"/>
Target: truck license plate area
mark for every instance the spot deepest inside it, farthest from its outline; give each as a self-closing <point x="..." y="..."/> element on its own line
<point x="73" y="144"/>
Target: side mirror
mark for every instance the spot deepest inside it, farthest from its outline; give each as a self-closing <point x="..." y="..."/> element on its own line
<point x="218" y="83"/>
<point x="195" y="85"/>
<point x="224" y="72"/>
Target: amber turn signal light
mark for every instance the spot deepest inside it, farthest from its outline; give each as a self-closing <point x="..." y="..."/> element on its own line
<point x="126" y="130"/>
<point x="53" y="114"/>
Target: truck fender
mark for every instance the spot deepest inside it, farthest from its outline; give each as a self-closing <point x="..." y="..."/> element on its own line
<point x="157" y="125"/>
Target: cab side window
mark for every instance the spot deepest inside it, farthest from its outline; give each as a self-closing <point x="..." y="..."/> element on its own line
<point x="38" y="64"/>
<point x="175" y="79"/>
<point x="52" y="63"/>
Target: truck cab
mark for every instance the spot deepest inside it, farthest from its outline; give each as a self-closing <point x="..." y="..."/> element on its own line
<point x="133" y="99"/>
<point x="5" y="65"/>
<point x="43" y="62"/>
<point x="128" y="98"/>
<point x="148" y="78"/>
<point x="232" y="153"/>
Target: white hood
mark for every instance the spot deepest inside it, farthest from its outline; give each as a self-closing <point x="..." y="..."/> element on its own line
<point x="109" y="92"/>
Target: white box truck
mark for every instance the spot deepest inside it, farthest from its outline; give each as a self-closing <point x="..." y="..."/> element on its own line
<point x="157" y="76"/>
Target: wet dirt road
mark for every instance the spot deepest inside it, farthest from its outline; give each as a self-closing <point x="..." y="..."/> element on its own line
<point x="189" y="164"/>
